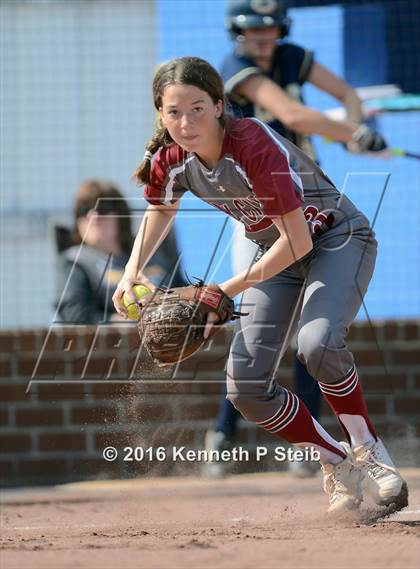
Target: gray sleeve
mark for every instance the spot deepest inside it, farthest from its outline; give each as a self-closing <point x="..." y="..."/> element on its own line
<point x="306" y="66"/>
<point x="75" y="302"/>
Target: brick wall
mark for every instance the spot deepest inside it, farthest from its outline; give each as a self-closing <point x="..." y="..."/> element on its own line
<point x="67" y="393"/>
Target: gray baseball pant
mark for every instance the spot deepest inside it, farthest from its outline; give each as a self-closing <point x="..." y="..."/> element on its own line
<point x="318" y="297"/>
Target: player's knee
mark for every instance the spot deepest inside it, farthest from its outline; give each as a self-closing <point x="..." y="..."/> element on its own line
<point x="243" y="403"/>
<point x="246" y="397"/>
<point x="317" y="344"/>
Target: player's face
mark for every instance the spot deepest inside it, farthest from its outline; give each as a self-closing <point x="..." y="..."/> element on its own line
<point x="260" y="42"/>
<point x="190" y="116"/>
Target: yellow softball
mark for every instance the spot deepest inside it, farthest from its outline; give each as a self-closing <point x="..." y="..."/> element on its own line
<point x="133" y="309"/>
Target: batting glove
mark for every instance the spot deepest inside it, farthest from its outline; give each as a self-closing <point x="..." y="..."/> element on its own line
<point x="364" y="139"/>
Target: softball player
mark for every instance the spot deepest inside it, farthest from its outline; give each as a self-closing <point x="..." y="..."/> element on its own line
<point x="317" y="254"/>
<point x="263" y="78"/>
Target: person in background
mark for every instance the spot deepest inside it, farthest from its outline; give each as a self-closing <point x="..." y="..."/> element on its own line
<point x="92" y="256"/>
<point x="263" y="78"/>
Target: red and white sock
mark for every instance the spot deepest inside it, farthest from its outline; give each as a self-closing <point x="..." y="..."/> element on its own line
<point x="346" y="399"/>
<point x="295" y="424"/>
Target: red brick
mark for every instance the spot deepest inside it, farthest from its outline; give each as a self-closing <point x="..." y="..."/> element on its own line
<point x="26" y="367"/>
<point x="113" y="337"/>
<point x="53" y="391"/>
<point x="47" y="469"/>
<point x="67" y="338"/>
<point x="383" y="383"/>
<point x="362" y="333"/>
<point x="405" y="357"/>
<point x="391" y="331"/>
<point x="7" y="471"/>
<point x="369" y="358"/>
<point x="51" y="442"/>
<point x="407" y="405"/>
<point x="128" y="366"/>
<point x="95" y="414"/>
<point x="28" y="341"/>
<point x="5" y="368"/>
<point x="146" y="412"/>
<point x="97" y="467"/>
<point x="133" y="341"/>
<point x="172" y="436"/>
<point x="15" y="391"/>
<point x="411" y="330"/>
<point x="7" y="342"/>
<point x="4" y="417"/>
<point x="70" y="339"/>
<point x="109" y="388"/>
<point x="15" y="443"/>
<point x="47" y="368"/>
<point x="212" y="388"/>
<point x="39" y="417"/>
<point x="198" y="412"/>
<point x="391" y="429"/>
<point x="117" y="340"/>
<point x="76" y="365"/>
<point x="119" y="439"/>
<point x="376" y="405"/>
<point x="100" y="368"/>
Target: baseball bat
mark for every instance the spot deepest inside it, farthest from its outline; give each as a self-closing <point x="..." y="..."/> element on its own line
<point x="404" y="153"/>
<point x="393" y="151"/>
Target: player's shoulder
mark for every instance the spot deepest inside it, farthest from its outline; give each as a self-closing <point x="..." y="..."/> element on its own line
<point x="294" y="60"/>
<point x="166" y="158"/>
<point x="251" y="132"/>
<point x="253" y="141"/>
<point x="234" y="63"/>
<point x="169" y="155"/>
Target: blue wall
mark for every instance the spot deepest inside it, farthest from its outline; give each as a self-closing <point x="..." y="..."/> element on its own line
<point x="197" y="28"/>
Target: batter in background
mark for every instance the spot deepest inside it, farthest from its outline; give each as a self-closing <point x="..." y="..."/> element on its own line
<point x="263" y="78"/>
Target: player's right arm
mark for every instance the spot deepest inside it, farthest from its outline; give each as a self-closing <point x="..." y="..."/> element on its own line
<point x="163" y="192"/>
<point x="266" y="93"/>
<point x="153" y="229"/>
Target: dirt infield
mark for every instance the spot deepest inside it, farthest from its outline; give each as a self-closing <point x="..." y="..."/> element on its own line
<point x="258" y="521"/>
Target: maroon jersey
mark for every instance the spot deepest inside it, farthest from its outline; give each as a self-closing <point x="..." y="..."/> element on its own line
<point x="260" y="175"/>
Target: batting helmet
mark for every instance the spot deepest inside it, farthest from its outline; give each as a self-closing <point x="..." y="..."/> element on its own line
<point x="243" y="14"/>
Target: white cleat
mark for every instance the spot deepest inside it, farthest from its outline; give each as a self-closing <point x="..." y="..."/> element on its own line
<point x="342" y="484"/>
<point x="382" y="481"/>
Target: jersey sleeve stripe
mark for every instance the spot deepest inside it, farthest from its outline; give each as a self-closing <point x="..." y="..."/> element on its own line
<point x="243" y="74"/>
<point x="283" y="150"/>
<point x="168" y="188"/>
<point x="305" y="68"/>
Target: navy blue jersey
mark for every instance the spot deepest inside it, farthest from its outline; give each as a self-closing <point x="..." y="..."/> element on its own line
<point x="290" y="68"/>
